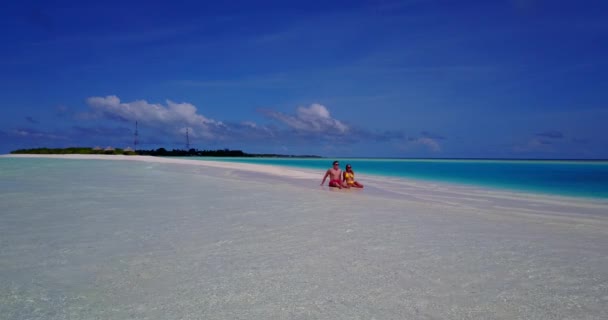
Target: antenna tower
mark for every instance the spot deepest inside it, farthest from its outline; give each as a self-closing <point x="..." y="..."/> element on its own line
<point x="135" y="137"/>
<point x="187" y="140"/>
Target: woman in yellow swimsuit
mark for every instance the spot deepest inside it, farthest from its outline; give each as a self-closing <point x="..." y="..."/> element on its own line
<point x="349" y="178"/>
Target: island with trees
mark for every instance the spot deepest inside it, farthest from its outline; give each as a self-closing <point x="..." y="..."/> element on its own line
<point x="162" y="152"/>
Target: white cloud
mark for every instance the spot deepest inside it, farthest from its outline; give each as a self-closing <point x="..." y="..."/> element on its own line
<point x="430" y="143"/>
<point x="35" y="134"/>
<point x="312" y="119"/>
<point x="250" y="129"/>
<point x="171" y="117"/>
<point x="249" y="124"/>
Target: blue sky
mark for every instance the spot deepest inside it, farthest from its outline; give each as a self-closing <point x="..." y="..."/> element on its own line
<point x="412" y="78"/>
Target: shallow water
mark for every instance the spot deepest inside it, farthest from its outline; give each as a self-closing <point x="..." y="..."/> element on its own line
<point x="569" y="178"/>
<point x="96" y="239"/>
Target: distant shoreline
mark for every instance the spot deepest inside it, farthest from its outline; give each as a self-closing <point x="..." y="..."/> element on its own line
<point x="157" y="152"/>
<point x="228" y="153"/>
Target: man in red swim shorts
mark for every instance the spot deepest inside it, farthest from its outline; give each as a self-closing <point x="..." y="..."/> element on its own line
<point x="335" y="176"/>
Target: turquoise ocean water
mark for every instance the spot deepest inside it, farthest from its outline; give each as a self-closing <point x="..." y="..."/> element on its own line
<point x="570" y="178"/>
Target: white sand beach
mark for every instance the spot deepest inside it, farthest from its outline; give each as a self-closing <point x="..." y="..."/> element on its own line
<point x="163" y="238"/>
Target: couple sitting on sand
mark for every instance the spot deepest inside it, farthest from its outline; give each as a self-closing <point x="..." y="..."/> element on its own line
<point x="340" y="180"/>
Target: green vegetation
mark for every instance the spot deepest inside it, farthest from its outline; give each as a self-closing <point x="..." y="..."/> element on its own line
<point x="214" y="153"/>
<point x="158" y="152"/>
<point x="193" y="153"/>
<point x="75" y="150"/>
